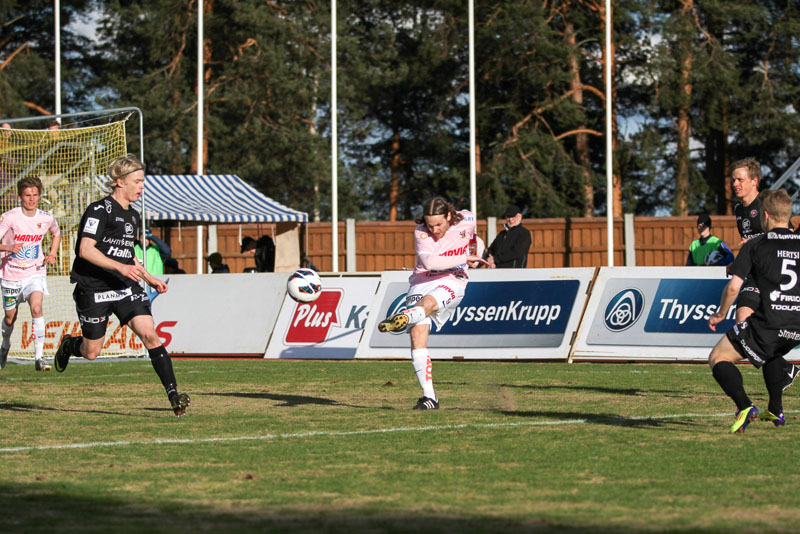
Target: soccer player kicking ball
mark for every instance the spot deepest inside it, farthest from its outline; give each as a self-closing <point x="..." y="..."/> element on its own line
<point x="23" y="264"/>
<point x="771" y="261"/>
<point x="437" y="284"/>
<point x="107" y="275"/>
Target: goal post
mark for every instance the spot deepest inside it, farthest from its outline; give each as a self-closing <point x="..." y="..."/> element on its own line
<point x="71" y="154"/>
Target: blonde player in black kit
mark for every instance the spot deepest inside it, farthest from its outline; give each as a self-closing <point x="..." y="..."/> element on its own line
<point x="745" y="179"/>
<point x="772" y="261"/>
<point x="107" y="275"/>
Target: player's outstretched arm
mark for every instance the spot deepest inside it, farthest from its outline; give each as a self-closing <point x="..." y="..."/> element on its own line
<point x="728" y="298"/>
<point x="152" y="281"/>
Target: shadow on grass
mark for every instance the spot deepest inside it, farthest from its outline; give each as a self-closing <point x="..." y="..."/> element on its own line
<point x="601" y="419"/>
<point x="42" y="507"/>
<point x="19" y="407"/>
<point x="288" y="401"/>
<point x="628" y="392"/>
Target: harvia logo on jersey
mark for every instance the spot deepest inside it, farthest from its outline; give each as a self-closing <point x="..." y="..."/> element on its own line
<point x="624" y="309"/>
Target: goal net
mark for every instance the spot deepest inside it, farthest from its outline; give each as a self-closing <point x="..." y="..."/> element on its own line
<point x="71" y="159"/>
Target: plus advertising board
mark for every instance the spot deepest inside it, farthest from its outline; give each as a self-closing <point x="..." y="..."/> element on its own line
<point x="658" y="313"/>
<point x="505" y="314"/>
<point x="328" y="328"/>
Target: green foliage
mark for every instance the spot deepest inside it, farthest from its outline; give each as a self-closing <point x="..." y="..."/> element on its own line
<point x="403" y="95"/>
<point x="27" y="67"/>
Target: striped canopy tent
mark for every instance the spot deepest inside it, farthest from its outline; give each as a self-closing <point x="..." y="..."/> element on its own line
<point x="212" y="198"/>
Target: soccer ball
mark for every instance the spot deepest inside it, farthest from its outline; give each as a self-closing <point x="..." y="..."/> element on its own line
<point x="304" y="285"/>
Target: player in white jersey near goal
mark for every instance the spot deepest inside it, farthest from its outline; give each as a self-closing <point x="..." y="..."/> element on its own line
<point x="437" y="285"/>
<point x="23" y="264"/>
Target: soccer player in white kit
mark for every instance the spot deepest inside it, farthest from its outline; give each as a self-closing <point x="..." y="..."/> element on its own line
<point x="23" y="264"/>
<point x="437" y="284"/>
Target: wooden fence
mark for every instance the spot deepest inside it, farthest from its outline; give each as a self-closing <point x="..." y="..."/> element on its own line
<point x="557" y="242"/>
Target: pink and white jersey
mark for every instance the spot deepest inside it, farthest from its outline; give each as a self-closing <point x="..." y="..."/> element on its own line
<point x="16" y="227"/>
<point x="445" y="257"/>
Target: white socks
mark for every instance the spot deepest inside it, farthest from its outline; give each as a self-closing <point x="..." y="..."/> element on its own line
<point x="415" y="314"/>
<point x="423" y="368"/>
<point x="38" y="340"/>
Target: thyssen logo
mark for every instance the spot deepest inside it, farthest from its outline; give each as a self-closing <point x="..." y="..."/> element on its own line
<point x="624" y="309"/>
<point x="312" y="321"/>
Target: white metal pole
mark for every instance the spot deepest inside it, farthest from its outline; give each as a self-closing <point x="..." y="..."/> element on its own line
<point x="334" y="149"/>
<point x="473" y="202"/>
<point x="609" y="143"/>
<point x="200" y="89"/>
<point x="57" y="9"/>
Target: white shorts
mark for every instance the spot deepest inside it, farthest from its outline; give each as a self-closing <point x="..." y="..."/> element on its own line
<point x="16" y="291"/>
<point x="448" y="295"/>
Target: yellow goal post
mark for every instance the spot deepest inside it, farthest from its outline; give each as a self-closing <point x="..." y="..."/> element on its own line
<point x="71" y="154"/>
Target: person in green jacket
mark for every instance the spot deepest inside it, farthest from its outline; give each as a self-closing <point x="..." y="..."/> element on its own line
<point x="708" y="249"/>
<point x="157" y="253"/>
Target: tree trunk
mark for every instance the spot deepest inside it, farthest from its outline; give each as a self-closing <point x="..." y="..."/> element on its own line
<point x="681" y="202"/>
<point x="394" y="184"/>
<point x="581" y="139"/>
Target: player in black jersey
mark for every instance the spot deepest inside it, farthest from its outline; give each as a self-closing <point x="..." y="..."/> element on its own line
<point x="772" y="260"/>
<point x="107" y="275"/>
<point x="745" y="180"/>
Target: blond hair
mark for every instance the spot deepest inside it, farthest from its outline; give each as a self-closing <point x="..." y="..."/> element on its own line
<point x="752" y="166"/>
<point x="122" y="167"/>
<point x="777" y="203"/>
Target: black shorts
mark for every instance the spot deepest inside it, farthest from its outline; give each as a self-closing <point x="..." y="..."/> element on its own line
<point x="749" y="296"/>
<point x="759" y="344"/>
<point x="95" y="307"/>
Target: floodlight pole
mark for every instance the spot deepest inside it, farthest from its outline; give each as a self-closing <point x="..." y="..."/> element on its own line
<point x="473" y="202"/>
<point x="334" y="150"/>
<point x="57" y="13"/>
<point x="200" y="89"/>
<point x="609" y="143"/>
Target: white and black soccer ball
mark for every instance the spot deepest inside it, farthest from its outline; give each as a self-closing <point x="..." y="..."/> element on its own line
<point x="304" y="285"/>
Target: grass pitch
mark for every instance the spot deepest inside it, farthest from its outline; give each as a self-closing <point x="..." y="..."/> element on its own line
<point x="315" y="446"/>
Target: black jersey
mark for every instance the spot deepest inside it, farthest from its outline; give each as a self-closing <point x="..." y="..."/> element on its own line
<point x="748" y="218"/>
<point x="115" y="229"/>
<point x="772" y="261"/>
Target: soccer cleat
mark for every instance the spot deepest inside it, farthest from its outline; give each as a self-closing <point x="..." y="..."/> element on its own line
<point x="777" y="420"/>
<point x="426" y="403"/>
<point x="744" y="418"/>
<point x="62" y="358"/>
<point x="791" y="376"/>
<point x="179" y="402"/>
<point x="41" y="365"/>
<point x="395" y="323"/>
<point x="3" y="356"/>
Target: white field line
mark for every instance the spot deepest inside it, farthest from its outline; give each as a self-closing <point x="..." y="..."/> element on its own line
<point x="295" y="435"/>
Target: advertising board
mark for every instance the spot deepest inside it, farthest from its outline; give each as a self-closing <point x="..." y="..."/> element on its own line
<point x="505" y="314"/>
<point x="330" y="327"/>
<point x="652" y="313"/>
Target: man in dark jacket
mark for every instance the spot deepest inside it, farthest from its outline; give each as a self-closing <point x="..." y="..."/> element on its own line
<point x="510" y="248"/>
<point x="263" y="251"/>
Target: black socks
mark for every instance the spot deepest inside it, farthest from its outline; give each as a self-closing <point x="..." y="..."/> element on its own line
<point x="163" y="366"/>
<point x="774" y="376"/>
<point x="730" y="380"/>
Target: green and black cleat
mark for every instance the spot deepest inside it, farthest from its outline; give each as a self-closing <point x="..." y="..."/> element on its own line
<point x="179" y="402"/>
<point x="61" y="359"/>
